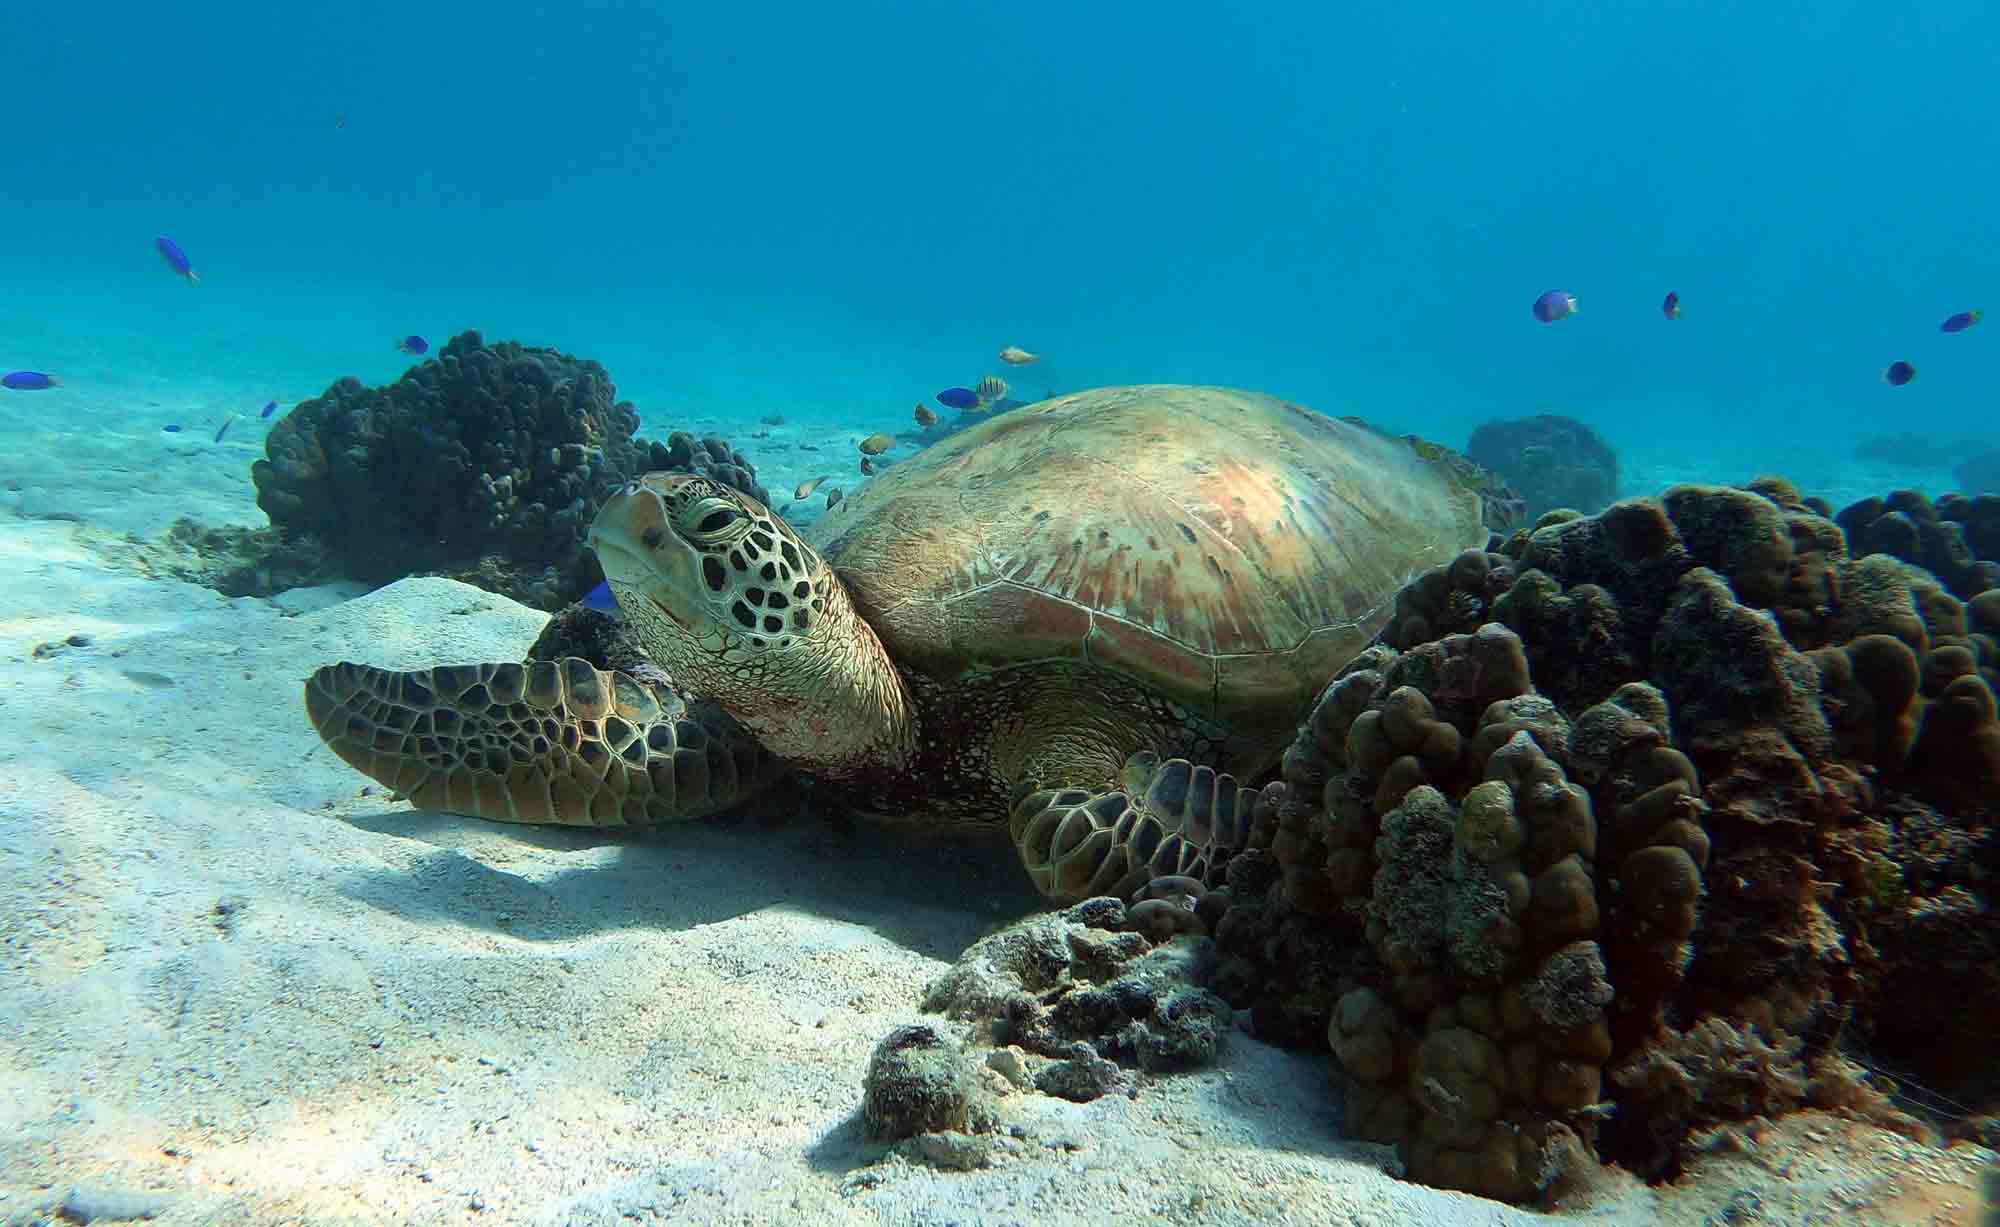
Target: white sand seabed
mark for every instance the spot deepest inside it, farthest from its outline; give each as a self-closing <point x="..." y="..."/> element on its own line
<point x="238" y="988"/>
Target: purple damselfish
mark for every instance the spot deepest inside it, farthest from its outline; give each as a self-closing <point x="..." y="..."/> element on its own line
<point x="1960" y="322"/>
<point x="176" y="259"/>
<point x="600" y="599"/>
<point x="1555" y="305"/>
<point x="29" y="381"/>
<point x="270" y="407"/>
<point x="958" y="398"/>
<point x="414" y="344"/>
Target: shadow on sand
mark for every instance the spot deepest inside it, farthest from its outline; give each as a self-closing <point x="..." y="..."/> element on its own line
<point x="929" y="891"/>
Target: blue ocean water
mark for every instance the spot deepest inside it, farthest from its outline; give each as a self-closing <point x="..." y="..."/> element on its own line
<point x="832" y="211"/>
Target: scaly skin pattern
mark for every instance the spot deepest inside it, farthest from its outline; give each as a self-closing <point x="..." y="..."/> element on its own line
<point x="1099" y="780"/>
<point x="543" y="742"/>
<point x="733" y="605"/>
<point x="983" y="737"/>
<point x="565" y="743"/>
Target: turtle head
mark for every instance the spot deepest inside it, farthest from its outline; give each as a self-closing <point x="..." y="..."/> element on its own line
<point x="738" y="609"/>
<point x="715" y="561"/>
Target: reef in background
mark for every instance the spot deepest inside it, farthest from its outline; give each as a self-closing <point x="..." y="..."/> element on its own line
<point x="1979" y="473"/>
<point x="1551" y="460"/>
<point x="484" y="464"/>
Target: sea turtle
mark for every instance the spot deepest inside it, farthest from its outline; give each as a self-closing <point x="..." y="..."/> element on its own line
<point x="1091" y="619"/>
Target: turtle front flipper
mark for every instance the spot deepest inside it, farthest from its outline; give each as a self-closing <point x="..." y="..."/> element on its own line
<point x="558" y="741"/>
<point x="1167" y="818"/>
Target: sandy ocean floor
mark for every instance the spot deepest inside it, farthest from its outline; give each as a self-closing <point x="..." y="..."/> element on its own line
<point x="242" y="987"/>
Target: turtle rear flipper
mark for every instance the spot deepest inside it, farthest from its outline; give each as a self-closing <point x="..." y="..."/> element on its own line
<point x="1167" y="818"/>
<point x="558" y="742"/>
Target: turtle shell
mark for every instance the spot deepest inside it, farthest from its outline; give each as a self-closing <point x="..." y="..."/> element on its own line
<point x="1228" y="549"/>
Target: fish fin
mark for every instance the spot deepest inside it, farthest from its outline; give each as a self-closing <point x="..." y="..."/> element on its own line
<point x="193" y="277"/>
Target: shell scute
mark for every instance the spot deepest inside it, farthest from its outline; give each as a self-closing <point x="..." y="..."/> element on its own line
<point x="1229" y="549"/>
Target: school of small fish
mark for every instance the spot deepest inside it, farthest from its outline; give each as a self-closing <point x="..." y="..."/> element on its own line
<point x="1555" y="305"/>
<point x="1551" y="306"/>
<point x="176" y="258"/>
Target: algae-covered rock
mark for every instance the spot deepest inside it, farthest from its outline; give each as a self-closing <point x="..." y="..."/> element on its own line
<point x="919" y="1081"/>
<point x="485" y="463"/>
<point x="1077" y="976"/>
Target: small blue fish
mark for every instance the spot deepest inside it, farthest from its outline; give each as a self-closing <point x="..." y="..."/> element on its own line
<point x="414" y="344"/>
<point x="958" y="398"/>
<point x="29" y="381"/>
<point x="1555" y="305"/>
<point x="172" y="428"/>
<point x="1671" y="305"/>
<point x="1899" y="373"/>
<point x="600" y="599"/>
<point x="270" y="407"/>
<point x="176" y="259"/>
<point x="1960" y="322"/>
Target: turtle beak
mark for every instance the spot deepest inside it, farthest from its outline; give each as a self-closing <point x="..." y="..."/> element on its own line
<point x="643" y="557"/>
<point x="631" y="576"/>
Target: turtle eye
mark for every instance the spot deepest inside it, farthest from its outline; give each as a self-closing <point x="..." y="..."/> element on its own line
<point x="714" y="519"/>
<point x="652" y="537"/>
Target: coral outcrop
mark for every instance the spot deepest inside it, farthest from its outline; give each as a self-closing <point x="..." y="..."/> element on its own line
<point x="484" y="463"/>
<point x="1641" y="822"/>
<point x="1554" y="461"/>
<point x="1957" y="539"/>
<point x="1916" y="449"/>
